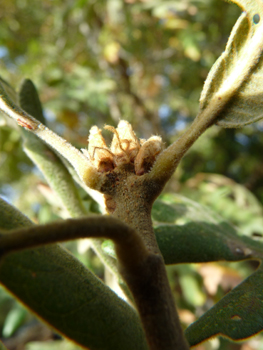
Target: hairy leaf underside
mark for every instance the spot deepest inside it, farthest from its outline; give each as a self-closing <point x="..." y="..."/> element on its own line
<point x="237" y="74"/>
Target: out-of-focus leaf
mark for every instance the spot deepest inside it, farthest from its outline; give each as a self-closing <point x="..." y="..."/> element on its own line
<point x="61" y="291"/>
<point x="108" y="248"/>
<point x="56" y="175"/>
<point x="235" y="77"/>
<point x="13" y="320"/>
<point x="191" y="290"/>
<point x="238" y="315"/>
<point x="233" y="201"/>
<point x="187" y="232"/>
<point x="56" y="345"/>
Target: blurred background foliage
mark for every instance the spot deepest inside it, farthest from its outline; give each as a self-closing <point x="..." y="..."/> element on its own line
<point x="96" y="61"/>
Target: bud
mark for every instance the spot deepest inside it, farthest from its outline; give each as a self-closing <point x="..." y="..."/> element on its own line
<point x="147" y="154"/>
<point x="99" y="154"/>
<point x="125" y="144"/>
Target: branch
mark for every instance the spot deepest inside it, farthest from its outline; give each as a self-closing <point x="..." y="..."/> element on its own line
<point x="138" y="267"/>
<point x="124" y="237"/>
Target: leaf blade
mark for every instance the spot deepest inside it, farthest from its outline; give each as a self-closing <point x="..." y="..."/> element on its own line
<point x="187" y="232"/>
<point x="63" y="293"/>
<point x="45" y="158"/>
<point x="228" y="96"/>
<point x="237" y="316"/>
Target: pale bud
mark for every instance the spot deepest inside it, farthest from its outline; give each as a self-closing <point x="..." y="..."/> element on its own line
<point x="125" y="145"/>
<point x="147" y="154"/>
<point x="100" y="155"/>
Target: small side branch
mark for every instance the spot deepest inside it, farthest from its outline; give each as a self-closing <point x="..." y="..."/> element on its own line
<point x="167" y="162"/>
<point x="125" y="238"/>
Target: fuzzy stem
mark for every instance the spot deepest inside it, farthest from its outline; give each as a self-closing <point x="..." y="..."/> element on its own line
<point x="147" y="279"/>
<point x="95" y="226"/>
<point x="168" y="160"/>
<point x="149" y="285"/>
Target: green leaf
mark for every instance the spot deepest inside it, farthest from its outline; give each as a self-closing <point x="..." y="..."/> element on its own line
<point x="62" y="292"/>
<point x="233" y="88"/>
<point x="108" y="248"/>
<point x="187" y="232"/>
<point x="56" y="174"/>
<point x="29" y="100"/>
<point x="13" y="320"/>
<point x="238" y="315"/>
<point x="11" y="218"/>
<point x="52" y="167"/>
